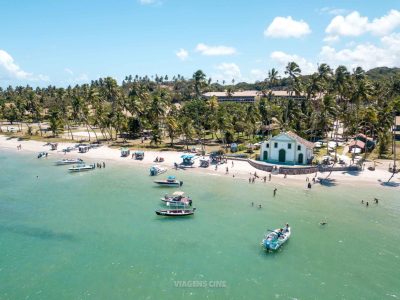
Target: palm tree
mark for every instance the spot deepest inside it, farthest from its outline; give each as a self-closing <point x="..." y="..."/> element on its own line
<point x="199" y="82"/>
<point x="273" y="77"/>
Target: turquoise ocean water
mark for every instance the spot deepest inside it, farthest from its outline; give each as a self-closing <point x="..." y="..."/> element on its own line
<point x="95" y="235"/>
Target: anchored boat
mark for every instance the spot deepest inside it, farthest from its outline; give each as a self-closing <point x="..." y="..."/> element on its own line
<point x="177" y="199"/>
<point x="276" y="238"/>
<point x="69" y="162"/>
<point x="175" y="212"/>
<point x="170" y="181"/>
<point x="82" y="168"/>
<point x="157" y="170"/>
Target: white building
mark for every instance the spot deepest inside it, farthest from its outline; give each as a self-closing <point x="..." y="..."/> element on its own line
<point x="287" y="148"/>
<point x="251" y="96"/>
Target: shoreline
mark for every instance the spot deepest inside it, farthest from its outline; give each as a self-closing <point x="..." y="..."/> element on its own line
<point x="241" y="170"/>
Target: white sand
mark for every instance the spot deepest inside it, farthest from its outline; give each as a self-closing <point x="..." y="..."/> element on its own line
<point x="241" y="169"/>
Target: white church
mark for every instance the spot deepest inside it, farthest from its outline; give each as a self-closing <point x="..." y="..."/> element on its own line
<point x="287" y="148"/>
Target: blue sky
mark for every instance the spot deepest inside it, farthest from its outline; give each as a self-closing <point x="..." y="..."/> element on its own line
<point x="64" y="42"/>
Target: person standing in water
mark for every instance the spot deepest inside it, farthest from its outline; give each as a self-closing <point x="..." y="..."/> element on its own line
<point x="275" y="190"/>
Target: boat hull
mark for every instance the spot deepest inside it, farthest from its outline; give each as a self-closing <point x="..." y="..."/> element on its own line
<point x="167" y="183"/>
<point x="175" y="212"/>
<point x="271" y="242"/>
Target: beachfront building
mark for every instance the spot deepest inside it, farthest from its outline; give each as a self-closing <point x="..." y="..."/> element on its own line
<point x="287" y="148"/>
<point x="250" y="96"/>
<point x="356" y="146"/>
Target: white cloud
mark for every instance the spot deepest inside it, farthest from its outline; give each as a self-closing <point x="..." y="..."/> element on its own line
<point x="282" y="27"/>
<point x="385" y="24"/>
<point x="83" y="77"/>
<point x="227" y="72"/>
<point x="13" y="71"/>
<point x="282" y="59"/>
<point x="333" y="11"/>
<point x="69" y="71"/>
<point x="351" y="25"/>
<point x="257" y="75"/>
<point x="214" y="50"/>
<point x="146" y="2"/>
<point x="366" y="55"/>
<point x="182" y="54"/>
<point x="331" y="39"/>
<point x="355" y="25"/>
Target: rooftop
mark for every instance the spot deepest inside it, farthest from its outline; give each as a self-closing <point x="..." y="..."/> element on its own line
<point x="300" y="139"/>
<point x="252" y="93"/>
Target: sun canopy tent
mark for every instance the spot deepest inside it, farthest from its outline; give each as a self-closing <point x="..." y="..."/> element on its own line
<point x="188" y="159"/>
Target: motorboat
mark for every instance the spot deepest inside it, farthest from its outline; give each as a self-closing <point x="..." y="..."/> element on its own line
<point x="175" y="212"/>
<point x="177" y="198"/>
<point x="170" y="182"/>
<point x="42" y="154"/>
<point x="69" y="161"/>
<point x="157" y="170"/>
<point x="82" y="168"/>
<point x="276" y="238"/>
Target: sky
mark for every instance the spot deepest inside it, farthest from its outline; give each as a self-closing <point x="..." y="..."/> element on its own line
<point x="68" y="42"/>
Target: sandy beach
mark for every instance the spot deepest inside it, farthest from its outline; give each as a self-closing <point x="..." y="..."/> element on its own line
<point x="238" y="170"/>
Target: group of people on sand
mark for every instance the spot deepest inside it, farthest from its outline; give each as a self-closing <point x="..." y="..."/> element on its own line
<point x="19" y="147"/>
<point x="101" y="165"/>
<point x="376" y="200"/>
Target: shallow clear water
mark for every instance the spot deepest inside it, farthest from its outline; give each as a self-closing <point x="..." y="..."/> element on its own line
<point x="95" y="235"/>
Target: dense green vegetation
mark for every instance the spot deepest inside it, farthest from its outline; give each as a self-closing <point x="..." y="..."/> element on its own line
<point x="174" y="108"/>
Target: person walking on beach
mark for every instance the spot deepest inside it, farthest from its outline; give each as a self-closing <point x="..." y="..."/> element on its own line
<point x="275" y="190"/>
<point x="362" y="201"/>
<point x="265" y="179"/>
<point x="269" y="177"/>
<point x="307" y="179"/>
<point x="252" y="203"/>
<point x="232" y="163"/>
<point x="249" y="179"/>
<point x="104" y="164"/>
<point x="376" y="200"/>
<point x="259" y="206"/>
<point x="227" y="170"/>
<point x="367" y="204"/>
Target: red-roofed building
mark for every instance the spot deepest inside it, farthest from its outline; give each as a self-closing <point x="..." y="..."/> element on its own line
<point x="356" y="144"/>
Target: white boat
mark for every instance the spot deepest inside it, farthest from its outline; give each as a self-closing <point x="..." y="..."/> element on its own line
<point x="178" y="198"/>
<point x="82" y="168"/>
<point x="67" y="161"/>
<point x="170" y="181"/>
<point x="157" y="170"/>
<point x="276" y="238"/>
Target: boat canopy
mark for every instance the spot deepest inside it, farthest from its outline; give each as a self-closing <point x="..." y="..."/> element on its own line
<point x="188" y="156"/>
<point x="139" y="152"/>
<point x="178" y="193"/>
<point x="171" y="178"/>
